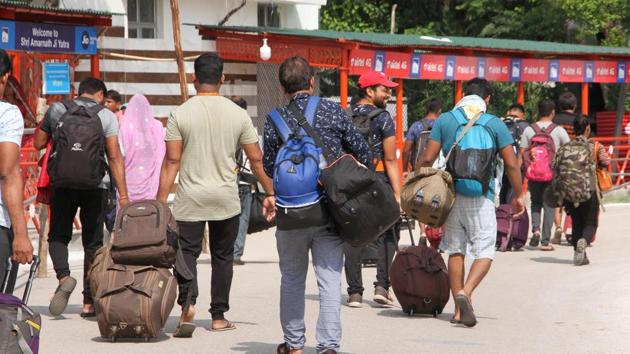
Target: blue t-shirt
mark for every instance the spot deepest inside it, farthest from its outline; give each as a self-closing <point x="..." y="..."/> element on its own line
<point x="418" y="127"/>
<point x="445" y="132"/>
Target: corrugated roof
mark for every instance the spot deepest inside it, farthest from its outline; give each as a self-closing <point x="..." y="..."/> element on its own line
<point x="438" y="42"/>
<point x="25" y="5"/>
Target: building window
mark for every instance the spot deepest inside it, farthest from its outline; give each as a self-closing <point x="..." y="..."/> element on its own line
<point x="268" y="15"/>
<point x="141" y="18"/>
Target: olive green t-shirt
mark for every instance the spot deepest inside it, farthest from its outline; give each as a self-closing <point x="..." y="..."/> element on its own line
<point x="210" y="128"/>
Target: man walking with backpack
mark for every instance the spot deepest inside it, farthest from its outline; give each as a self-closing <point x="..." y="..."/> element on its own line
<point x="468" y="132"/>
<point x="84" y="133"/>
<point x="418" y="135"/>
<point x="14" y="241"/>
<point x="201" y="140"/>
<point x="303" y="221"/>
<point x="379" y="130"/>
<point x="539" y="144"/>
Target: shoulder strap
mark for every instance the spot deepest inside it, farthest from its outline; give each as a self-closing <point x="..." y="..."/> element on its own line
<point x="69" y="104"/>
<point x="281" y="126"/>
<point x="536" y="128"/>
<point x="425" y="124"/>
<point x="550" y="128"/>
<point x="375" y="113"/>
<point x="304" y="123"/>
<point x="470" y="123"/>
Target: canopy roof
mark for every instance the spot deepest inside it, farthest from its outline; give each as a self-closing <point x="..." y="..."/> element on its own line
<point x="24" y="11"/>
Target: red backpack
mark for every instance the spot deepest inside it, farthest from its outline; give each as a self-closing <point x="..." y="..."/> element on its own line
<point x="539" y="156"/>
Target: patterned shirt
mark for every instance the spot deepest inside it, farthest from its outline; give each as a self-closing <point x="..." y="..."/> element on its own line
<point x="381" y="127"/>
<point x="331" y="123"/>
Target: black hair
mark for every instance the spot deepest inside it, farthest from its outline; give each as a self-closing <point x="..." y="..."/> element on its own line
<point x="114" y="95"/>
<point x="434" y="105"/>
<point x="295" y="74"/>
<point x="479" y="87"/>
<point x="579" y="125"/>
<point x="567" y="101"/>
<point x="209" y="68"/>
<point x="92" y="86"/>
<point x="5" y="63"/>
<point x="240" y="101"/>
<point x="517" y="107"/>
<point x="545" y="107"/>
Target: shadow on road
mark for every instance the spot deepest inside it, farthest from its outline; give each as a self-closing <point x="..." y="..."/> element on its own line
<point x="259" y="347"/>
<point x="72" y="309"/>
<point x="552" y="260"/>
<point x="163" y="337"/>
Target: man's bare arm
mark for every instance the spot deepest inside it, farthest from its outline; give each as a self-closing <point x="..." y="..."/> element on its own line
<point x="41" y="139"/>
<point x="12" y="196"/>
<point x="117" y="168"/>
<point x="255" y="157"/>
<point x="513" y="171"/>
<point x="391" y="164"/>
<point x="430" y="153"/>
<point x="170" y="168"/>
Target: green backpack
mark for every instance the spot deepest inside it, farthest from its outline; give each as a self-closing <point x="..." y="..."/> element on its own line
<point x="574" y="171"/>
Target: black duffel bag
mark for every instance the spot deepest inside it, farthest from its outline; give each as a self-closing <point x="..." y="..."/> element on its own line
<point x="361" y="204"/>
<point x="257" y="220"/>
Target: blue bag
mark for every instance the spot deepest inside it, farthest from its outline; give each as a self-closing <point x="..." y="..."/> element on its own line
<point x="297" y="168"/>
<point x="471" y="161"/>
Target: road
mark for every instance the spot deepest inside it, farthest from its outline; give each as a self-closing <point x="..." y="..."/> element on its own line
<point x="531" y="302"/>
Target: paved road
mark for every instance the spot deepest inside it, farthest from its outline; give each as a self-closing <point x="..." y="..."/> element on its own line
<point x="531" y="302"/>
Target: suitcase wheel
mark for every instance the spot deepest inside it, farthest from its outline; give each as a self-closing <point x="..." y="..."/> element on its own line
<point x="113" y="339"/>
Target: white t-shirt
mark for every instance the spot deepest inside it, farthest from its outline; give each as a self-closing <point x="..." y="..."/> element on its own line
<point x="11" y="130"/>
<point x="558" y="134"/>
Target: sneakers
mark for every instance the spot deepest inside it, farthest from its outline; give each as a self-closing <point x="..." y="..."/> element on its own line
<point x="238" y="262"/>
<point x="382" y="296"/>
<point x="579" y="256"/>
<point x="535" y="241"/>
<point x="557" y="236"/>
<point x="355" y="300"/>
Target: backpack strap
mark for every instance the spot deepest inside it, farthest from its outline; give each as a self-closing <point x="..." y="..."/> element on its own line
<point x="303" y="122"/>
<point x="374" y="113"/>
<point x="281" y="126"/>
<point x="467" y="127"/>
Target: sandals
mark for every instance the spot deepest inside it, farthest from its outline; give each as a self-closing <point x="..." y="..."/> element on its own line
<point x="454" y="321"/>
<point x="184" y="330"/>
<point x="59" y="301"/>
<point x="88" y="314"/>
<point x="229" y="326"/>
<point x="466" y="312"/>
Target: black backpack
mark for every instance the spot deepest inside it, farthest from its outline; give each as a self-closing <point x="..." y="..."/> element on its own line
<point x="363" y="123"/>
<point x="77" y="159"/>
<point x="516" y="129"/>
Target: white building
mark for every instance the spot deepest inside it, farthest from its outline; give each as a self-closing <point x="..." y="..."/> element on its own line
<point x="146" y="31"/>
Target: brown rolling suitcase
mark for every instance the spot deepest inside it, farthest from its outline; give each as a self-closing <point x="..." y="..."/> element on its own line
<point x="146" y="234"/>
<point x="419" y="278"/>
<point x="134" y="301"/>
<point x="428" y="196"/>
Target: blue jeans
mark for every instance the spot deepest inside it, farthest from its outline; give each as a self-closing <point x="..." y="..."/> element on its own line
<point x="327" y="252"/>
<point x="245" y="193"/>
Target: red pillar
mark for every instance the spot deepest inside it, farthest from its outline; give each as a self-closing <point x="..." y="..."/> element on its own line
<point x="459" y="92"/>
<point x="520" y="93"/>
<point x="343" y="79"/>
<point x="95" y="69"/>
<point x="584" y="99"/>
<point x="399" y="124"/>
<point x="17" y="72"/>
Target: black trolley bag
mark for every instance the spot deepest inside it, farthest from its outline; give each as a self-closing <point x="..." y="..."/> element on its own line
<point x="360" y="203"/>
<point x="19" y="325"/>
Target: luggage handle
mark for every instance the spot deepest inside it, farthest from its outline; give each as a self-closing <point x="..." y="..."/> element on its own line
<point x="406" y="218"/>
<point x="29" y="282"/>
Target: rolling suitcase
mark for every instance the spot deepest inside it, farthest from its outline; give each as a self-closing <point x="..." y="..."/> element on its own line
<point x="420" y="280"/>
<point x="19" y="325"/>
<point x="511" y="232"/>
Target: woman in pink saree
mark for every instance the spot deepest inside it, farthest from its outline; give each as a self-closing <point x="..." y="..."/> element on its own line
<point x="142" y="141"/>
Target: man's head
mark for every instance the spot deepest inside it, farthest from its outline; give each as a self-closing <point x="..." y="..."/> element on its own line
<point x="567" y="102"/>
<point x="375" y="88"/>
<point x="516" y="110"/>
<point x="479" y="87"/>
<point x="113" y="100"/>
<point x="240" y="101"/>
<point x="93" y="88"/>
<point x="582" y="126"/>
<point x="546" y="109"/>
<point x="296" y="75"/>
<point x="434" y="107"/>
<point x="208" y="70"/>
<point x="5" y="70"/>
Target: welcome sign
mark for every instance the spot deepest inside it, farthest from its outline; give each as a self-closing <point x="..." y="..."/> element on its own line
<point x="44" y="37"/>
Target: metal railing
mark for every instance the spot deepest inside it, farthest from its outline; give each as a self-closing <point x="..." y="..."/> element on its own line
<point x="618" y="150"/>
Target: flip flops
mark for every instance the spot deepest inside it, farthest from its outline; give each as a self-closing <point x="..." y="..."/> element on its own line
<point x="229" y="326"/>
<point x="59" y="301"/>
<point x="467" y="314"/>
<point x="184" y="330"/>
<point x="88" y="314"/>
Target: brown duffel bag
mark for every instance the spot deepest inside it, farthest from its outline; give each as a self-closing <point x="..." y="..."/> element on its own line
<point x="102" y="260"/>
<point x="134" y="301"/>
<point x="428" y="196"/>
<point x="420" y="280"/>
<point x="145" y="234"/>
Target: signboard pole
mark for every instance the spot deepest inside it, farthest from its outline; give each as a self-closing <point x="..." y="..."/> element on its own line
<point x="95" y="69"/>
<point x="179" y="54"/>
<point x="16" y="67"/>
<point x="459" y="93"/>
<point x="585" y="99"/>
<point x="399" y="124"/>
<point x="520" y="93"/>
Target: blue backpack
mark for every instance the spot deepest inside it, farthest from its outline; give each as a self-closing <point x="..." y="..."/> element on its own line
<point x="472" y="159"/>
<point x="297" y="168"/>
